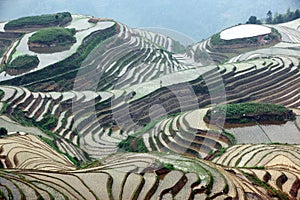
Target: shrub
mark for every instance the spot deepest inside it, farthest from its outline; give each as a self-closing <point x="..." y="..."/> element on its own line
<point x="56" y="35"/>
<point x="1" y="93"/>
<point x="169" y="166"/>
<point x="250" y="112"/>
<point x="25" y="61"/>
<point x="133" y="144"/>
<point x="3" y="132"/>
<point x="48" y="122"/>
<point x="42" y="20"/>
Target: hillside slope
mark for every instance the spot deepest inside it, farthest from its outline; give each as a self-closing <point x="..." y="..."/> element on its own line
<point x="120" y="115"/>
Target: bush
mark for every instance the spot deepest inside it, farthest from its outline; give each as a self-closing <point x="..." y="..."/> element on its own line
<point x="3" y="132"/>
<point x="56" y="35"/>
<point x="133" y="144"/>
<point x="250" y="112"/>
<point x="42" y="20"/>
<point x="48" y="122"/>
<point x="1" y="93"/>
<point x="25" y="61"/>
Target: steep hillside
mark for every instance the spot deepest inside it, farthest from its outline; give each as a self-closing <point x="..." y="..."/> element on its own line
<point x="125" y="57"/>
<point x="123" y="113"/>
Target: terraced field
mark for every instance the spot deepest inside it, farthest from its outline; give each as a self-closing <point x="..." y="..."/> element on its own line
<point x="120" y="116"/>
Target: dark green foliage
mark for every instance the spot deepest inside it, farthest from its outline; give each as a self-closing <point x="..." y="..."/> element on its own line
<point x="169" y="166"/>
<point x="40" y="197"/>
<point x="282" y="18"/>
<point x="133" y="144"/>
<point x="250" y="112"/>
<point x="55" y="35"/>
<point x="42" y="20"/>
<point x="288" y="16"/>
<point x="4" y="44"/>
<point x="48" y="122"/>
<point x="4" y="107"/>
<point x="217" y="41"/>
<point x="219" y="153"/>
<point x="25" y="61"/>
<point x="177" y="47"/>
<point x="269" y="17"/>
<point x="1" y="93"/>
<point x="55" y="147"/>
<point x="69" y="66"/>
<point x="273" y="192"/>
<point x="3" y="131"/>
<point x="2" y="195"/>
<point x="278" y="19"/>
<point x="253" y="20"/>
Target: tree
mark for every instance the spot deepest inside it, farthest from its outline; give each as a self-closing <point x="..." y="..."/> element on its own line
<point x="297" y="14"/>
<point x="269" y="17"/>
<point x="258" y="22"/>
<point x="3" y="131"/>
<point x="279" y="19"/>
<point x="252" y="20"/>
<point x="288" y="16"/>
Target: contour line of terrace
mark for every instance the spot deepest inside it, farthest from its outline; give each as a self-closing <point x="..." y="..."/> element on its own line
<point x="184" y="76"/>
<point x="48" y="59"/>
<point x="244" y="31"/>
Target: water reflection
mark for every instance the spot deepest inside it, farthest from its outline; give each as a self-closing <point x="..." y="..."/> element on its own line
<point x="268" y="132"/>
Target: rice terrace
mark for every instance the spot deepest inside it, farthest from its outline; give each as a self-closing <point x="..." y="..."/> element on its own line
<point x="91" y="108"/>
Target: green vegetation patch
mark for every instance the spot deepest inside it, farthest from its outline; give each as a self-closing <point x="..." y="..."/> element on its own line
<point x="249" y="112"/>
<point x="66" y="69"/>
<point x="133" y="144"/>
<point x="271" y="191"/>
<point x="3" y="131"/>
<point x="42" y="20"/>
<point x="1" y="93"/>
<point x="53" y="36"/>
<point x="52" y="144"/>
<point x="24" y="61"/>
<point x="4" y="44"/>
